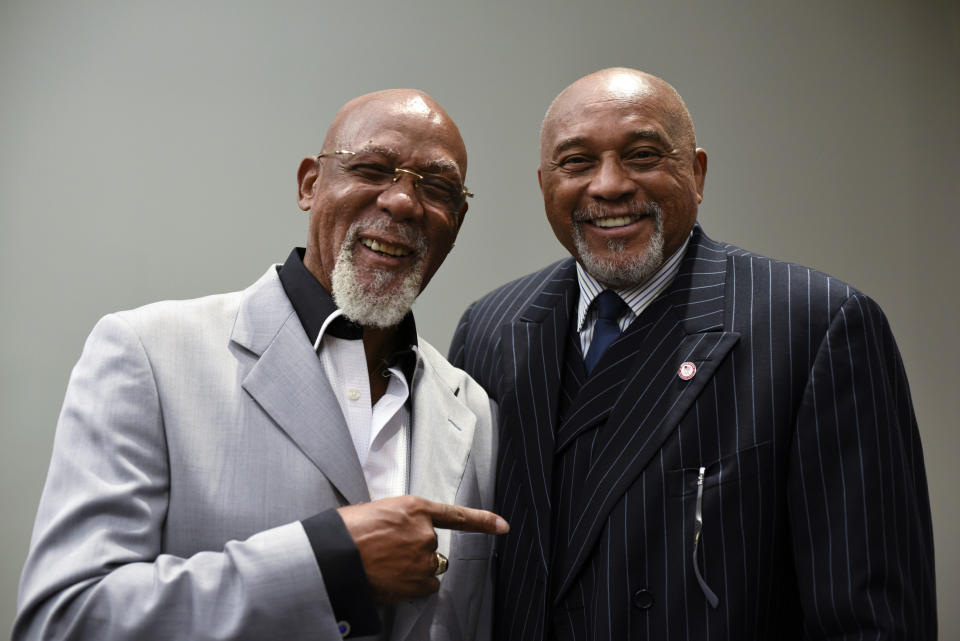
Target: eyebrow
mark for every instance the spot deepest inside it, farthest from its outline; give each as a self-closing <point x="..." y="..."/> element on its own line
<point x="639" y="134"/>
<point x="442" y="165"/>
<point x="436" y="165"/>
<point x="389" y="152"/>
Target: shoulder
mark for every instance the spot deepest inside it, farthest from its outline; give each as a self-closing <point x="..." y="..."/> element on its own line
<point x="179" y="315"/>
<point x="184" y="323"/>
<point x="507" y="302"/>
<point x="760" y="289"/>
<point x="802" y="288"/>
<point x="175" y="324"/>
<point x="748" y="271"/>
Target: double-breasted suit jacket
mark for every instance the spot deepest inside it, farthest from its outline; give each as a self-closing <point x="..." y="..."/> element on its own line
<point x="194" y="438"/>
<point x="765" y="396"/>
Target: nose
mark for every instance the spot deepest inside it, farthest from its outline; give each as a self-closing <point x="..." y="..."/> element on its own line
<point x="611" y="181"/>
<point x="399" y="198"/>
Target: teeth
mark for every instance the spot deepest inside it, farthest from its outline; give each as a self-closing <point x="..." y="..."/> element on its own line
<point x="614" y="221"/>
<point x="384" y="248"/>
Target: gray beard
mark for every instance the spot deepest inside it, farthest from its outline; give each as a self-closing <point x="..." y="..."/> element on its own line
<point x="624" y="269"/>
<point x="381" y="301"/>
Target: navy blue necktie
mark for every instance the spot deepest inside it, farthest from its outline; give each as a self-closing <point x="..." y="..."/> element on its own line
<point x="609" y="308"/>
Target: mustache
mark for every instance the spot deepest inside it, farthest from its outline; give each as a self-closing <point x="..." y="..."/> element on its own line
<point x="593" y="211"/>
<point x="408" y="234"/>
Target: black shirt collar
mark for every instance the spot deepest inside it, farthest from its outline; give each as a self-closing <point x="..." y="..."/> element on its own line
<point x="313" y="304"/>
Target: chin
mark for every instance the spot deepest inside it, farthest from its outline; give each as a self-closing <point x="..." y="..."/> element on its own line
<point x="619" y="266"/>
<point x="375" y="298"/>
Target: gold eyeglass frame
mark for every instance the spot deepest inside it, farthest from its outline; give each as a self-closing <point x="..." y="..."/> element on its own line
<point x="398" y="171"/>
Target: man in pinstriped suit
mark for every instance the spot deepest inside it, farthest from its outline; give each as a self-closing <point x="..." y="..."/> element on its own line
<point x="696" y="442"/>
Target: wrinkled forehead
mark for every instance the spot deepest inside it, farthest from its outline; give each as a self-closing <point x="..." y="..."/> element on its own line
<point x="412" y="126"/>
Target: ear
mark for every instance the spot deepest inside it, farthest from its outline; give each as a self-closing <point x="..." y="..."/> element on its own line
<point x="306" y="177"/>
<point x="700" y="171"/>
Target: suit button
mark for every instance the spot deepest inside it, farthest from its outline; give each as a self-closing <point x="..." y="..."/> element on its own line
<point x="643" y="599"/>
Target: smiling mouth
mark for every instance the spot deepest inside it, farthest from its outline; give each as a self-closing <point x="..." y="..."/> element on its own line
<point x="614" y="221"/>
<point x="385" y="249"/>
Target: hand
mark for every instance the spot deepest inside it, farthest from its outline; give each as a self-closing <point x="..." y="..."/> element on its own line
<point x="398" y="544"/>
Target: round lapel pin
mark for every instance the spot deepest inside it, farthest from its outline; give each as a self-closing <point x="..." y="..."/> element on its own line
<point x="687" y="370"/>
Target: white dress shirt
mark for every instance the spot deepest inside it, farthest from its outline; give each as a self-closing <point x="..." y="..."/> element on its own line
<point x="380" y="432"/>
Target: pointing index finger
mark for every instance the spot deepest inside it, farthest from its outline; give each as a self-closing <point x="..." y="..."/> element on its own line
<point x="467" y="519"/>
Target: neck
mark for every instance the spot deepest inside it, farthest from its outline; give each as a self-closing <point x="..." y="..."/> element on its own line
<point x="378" y="345"/>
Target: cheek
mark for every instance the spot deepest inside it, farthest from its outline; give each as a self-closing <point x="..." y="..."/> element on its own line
<point x="441" y="235"/>
<point x="674" y="193"/>
<point x="679" y="216"/>
<point x="330" y="232"/>
<point x="559" y="204"/>
<point x="560" y="221"/>
<point x="562" y="194"/>
<point x="561" y="224"/>
<point x="562" y="227"/>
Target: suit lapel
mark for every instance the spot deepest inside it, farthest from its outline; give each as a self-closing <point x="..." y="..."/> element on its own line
<point x="441" y="437"/>
<point x="288" y="382"/>
<point x="533" y="348"/>
<point x="685" y="325"/>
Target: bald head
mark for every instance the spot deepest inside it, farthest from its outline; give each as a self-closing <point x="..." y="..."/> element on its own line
<point x="363" y="116"/>
<point x="629" y="87"/>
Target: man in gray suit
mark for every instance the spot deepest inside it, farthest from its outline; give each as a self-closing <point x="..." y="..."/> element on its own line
<point x="215" y="459"/>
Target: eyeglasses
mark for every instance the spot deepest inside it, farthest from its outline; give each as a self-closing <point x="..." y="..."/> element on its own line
<point x="375" y="169"/>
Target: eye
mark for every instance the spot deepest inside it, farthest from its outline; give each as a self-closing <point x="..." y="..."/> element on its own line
<point x="575" y="162"/>
<point x="441" y="193"/>
<point x="437" y="187"/>
<point x="643" y="157"/>
<point x="371" y="171"/>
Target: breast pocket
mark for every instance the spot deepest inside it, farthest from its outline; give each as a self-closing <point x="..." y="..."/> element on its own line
<point x="745" y="463"/>
<point x="701" y="491"/>
<point x="471" y="545"/>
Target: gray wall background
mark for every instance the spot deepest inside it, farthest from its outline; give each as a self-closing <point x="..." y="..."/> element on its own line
<point x="149" y="150"/>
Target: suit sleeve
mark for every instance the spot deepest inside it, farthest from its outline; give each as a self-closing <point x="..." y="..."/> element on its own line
<point x="859" y="508"/>
<point x="96" y="570"/>
<point x="457" y="352"/>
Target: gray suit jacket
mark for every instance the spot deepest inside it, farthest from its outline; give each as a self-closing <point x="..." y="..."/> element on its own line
<point x="193" y="438"/>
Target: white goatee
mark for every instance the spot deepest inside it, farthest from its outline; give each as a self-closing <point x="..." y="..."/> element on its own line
<point x="377" y="297"/>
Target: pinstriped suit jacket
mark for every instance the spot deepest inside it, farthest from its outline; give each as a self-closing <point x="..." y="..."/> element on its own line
<point x="816" y="521"/>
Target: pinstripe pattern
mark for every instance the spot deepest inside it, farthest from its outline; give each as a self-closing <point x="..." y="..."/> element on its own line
<point x="816" y="522"/>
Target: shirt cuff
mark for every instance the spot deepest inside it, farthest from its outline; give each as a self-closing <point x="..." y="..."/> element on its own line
<point x="343" y="575"/>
